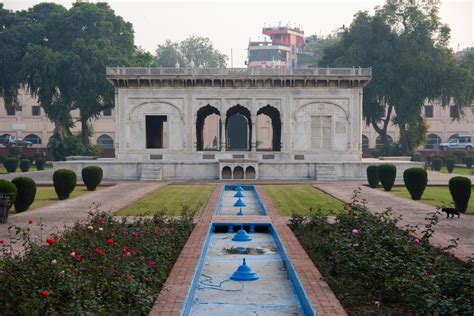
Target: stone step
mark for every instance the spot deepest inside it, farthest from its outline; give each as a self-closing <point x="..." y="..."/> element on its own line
<point x="150" y="172"/>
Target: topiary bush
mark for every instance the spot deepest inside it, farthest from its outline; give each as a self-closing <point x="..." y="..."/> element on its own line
<point x="8" y="188"/>
<point x="450" y="164"/>
<point x="415" y="180"/>
<point x="92" y="176"/>
<point x="14" y="151"/>
<point x="11" y="164"/>
<point x="26" y="192"/>
<point x="436" y="164"/>
<point x="468" y="161"/>
<point x="373" y="176"/>
<point x="25" y="165"/>
<point x="387" y="175"/>
<point x="64" y="182"/>
<point x="39" y="163"/>
<point x="460" y="188"/>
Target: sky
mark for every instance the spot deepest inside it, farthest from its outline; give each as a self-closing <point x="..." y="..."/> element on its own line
<point x="230" y="24"/>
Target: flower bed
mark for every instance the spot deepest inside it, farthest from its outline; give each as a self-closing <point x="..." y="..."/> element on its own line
<point x="99" y="267"/>
<point x="376" y="269"/>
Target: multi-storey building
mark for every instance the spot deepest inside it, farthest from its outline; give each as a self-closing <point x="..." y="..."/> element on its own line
<point x="28" y="121"/>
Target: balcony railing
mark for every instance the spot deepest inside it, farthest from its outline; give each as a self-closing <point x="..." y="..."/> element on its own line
<point x="238" y="72"/>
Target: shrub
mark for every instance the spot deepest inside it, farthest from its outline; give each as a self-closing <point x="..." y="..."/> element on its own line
<point x="459" y="155"/>
<point x="436" y="164"/>
<point x="416" y="157"/>
<point x="39" y="163"/>
<point x="468" y="161"/>
<point x="460" y="188"/>
<point x="92" y="176"/>
<point x="25" y="165"/>
<point x="366" y="258"/>
<point x="415" y="180"/>
<point x="26" y="192"/>
<point x="64" y="183"/>
<point x="11" y="164"/>
<point x="14" y="151"/>
<point x="8" y="188"/>
<point x="450" y="164"/>
<point x="387" y="175"/>
<point x="101" y="278"/>
<point x="373" y="176"/>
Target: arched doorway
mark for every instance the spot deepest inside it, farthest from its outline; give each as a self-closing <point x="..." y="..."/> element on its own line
<point x="238" y="173"/>
<point x="238" y="129"/>
<point x="226" y="173"/>
<point x="269" y="137"/>
<point x="365" y="142"/>
<point x="250" y="173"/>
<point x="208" y="134"/>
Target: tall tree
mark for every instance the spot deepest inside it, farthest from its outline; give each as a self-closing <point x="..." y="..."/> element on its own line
<point x="406" y="44"/>
<point x="196" y="49"/>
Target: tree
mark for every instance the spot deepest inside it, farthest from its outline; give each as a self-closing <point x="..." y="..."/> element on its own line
<point x="316" y="50"/>
<point x="406" y="44"/>
<point x="196" y="49"/>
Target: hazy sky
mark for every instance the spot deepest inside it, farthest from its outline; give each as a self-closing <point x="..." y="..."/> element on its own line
<point x="230" y="24"/>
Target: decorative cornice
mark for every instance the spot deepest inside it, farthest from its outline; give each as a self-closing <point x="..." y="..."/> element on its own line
<point x="238" y="77"/>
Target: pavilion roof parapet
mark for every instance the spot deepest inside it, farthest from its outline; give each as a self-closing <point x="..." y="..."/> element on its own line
<point x="238" y="72"/>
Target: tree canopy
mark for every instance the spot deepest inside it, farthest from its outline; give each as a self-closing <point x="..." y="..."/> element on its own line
<point x="196" y="49"/>
<point x="405" y="43"/>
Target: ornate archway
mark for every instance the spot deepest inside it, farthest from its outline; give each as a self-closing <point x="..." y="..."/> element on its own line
<point x="238" y="128"/>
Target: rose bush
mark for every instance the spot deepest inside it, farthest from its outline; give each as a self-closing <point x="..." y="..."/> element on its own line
<point x="98" y="267"/>
<point x="374" y="268"/>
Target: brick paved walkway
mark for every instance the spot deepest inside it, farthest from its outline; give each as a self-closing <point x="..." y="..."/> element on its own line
<point x="413" y="213"/>
<point x="65" y="213"/>
<point x="172" y="297"/>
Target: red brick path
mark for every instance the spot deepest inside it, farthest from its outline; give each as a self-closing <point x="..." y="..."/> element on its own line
<point x="172" y="297"/>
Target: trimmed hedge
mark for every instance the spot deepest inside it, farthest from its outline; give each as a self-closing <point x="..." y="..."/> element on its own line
<point x="39" y="163"/>
<point x="468" y="161"/>
<point x="11" y="164"/>
<point x="373" y="176"/>
<point x="25" y="165"/>
<point x="9" y="188"/>
<point x="92" y="176"/>
<point x="387" y="175"/>
<point x="460" y="188"/>
<point x="26" y="192"/>
<point x="436" y="164"/>
<point x="415" y="180"/>
<point x="450" y="164"/>
<point x="64" y="183"/>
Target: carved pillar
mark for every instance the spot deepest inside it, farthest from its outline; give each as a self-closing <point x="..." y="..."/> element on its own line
<point x="253" y="139"/>
<point x="223" y="135"/>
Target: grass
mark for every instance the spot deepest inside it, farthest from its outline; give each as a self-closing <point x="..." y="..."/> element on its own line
<point x="47" y="195"/>
<point x="47" y="166"/>
<point x="298" y="199"/>
<point x="171" y="199"/>
<point x="436" y="196"/>
<point x="458" y="170"/>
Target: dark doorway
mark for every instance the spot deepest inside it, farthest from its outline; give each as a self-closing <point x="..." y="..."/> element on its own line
<point x="238" y="128"/>
<point x="155" y="129"/>
<point x="226" y="173"/>
<point x="274" y="116"/>
<point x="208" y="128"/>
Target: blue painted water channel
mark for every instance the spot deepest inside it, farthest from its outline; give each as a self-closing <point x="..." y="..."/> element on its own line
<point x="276" y="290"/>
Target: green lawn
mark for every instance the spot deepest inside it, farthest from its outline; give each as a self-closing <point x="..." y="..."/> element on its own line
<point x="458" y="170"/>
<point x="47" y="166"/>
<point x="47" y="195"/>
<point x="436" y="196"/>
<point x="290" y="199"/>
<point x="171" y="199"/>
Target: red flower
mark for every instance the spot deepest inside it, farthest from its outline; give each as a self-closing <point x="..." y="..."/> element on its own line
<point x="90" y="213"/>
<point x="170" y="230"/>
<point x="78" y="257"/>
<point x="44" y="293"/>
<point x="151" y="264"/>
<point x="1" y="242"/>
<point x="125" y="234"/>
<point x="137" y="229"/>
<point x="134" y="234"/>
<point x="99" y="252"/>
<point x="110" y="241"/>
<point x="51" y="241"/>
<point x="30" y="222"/>
<point x="130" y="277"/>
<point x="102" y="219"/>
<point x="124" y="250"/>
